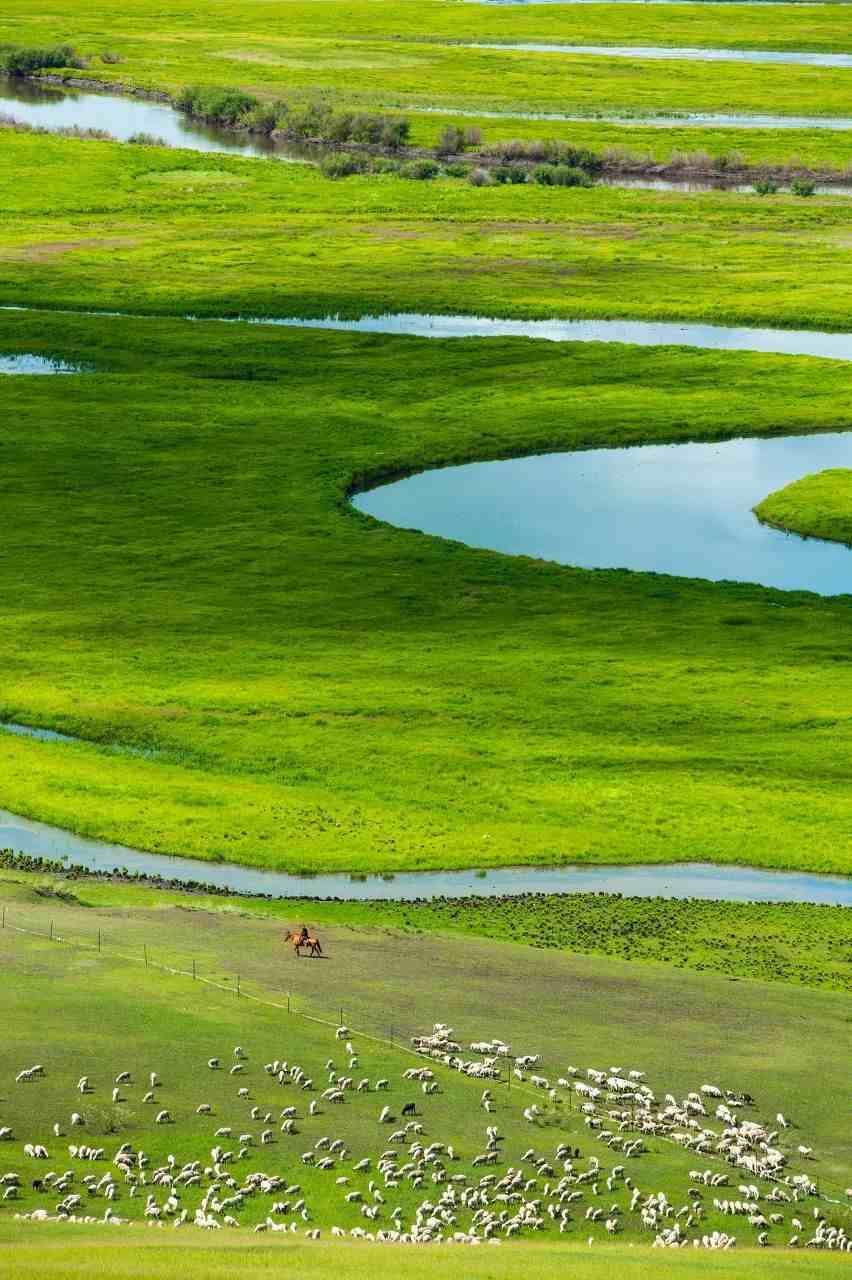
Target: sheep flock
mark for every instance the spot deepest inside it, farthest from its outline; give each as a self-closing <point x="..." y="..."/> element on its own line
<point x="277" y="1158"/>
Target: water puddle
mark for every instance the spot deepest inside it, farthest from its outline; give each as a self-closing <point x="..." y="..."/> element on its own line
<point x="30" y="364"/>
<point x="686" y="880"/>
<point x="642" y="333"/>
<point x="772" y="57"/>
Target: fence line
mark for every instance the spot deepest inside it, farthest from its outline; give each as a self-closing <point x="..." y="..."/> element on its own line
<point x="364" y="1035"/>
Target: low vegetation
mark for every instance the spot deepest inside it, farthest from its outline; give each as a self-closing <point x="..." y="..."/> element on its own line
<point x="316" y="120"/>
<point x="817" y="506"/>
<point x="22" y="61"/>
<point x="795" y="942"/>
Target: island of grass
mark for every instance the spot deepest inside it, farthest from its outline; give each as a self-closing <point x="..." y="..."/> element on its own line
<point x="817" y="506"/>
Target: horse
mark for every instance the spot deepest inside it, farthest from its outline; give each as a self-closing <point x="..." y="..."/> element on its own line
<point x="298" y="940"/>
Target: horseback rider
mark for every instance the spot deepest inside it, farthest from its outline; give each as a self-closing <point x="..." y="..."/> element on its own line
<point x="304" y="935"/>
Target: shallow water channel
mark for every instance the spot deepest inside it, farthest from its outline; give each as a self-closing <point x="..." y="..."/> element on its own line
<point x="771" y="56"/>
<point x="642" y="333"/>
<point x="52" y="107"/>
<point x="686" y="880"/>
<point x="696" y="119"/>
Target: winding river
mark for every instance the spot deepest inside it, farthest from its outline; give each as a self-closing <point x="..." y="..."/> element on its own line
<point x="684" y="880"/>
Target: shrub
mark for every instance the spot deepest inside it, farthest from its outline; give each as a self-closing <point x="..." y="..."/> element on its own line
<point x="343" y="165"/>
<point x="450" y="141"/>
<point x="384" y="164"/>
<point x="146" y="140"/>
<point x="260" y="118"/>
<point x="421" y="170"/>
<point x="366" y="129"/>
<point x="223" y="105"/>
<point x="473" y="137"/>
<point x="561" y="175"/>
<point x="514" y="174"/>
<point x="22" y="62"/>
<point x="802" y="187"/>
<point x="480" y="178"/>
<point x="395" y="131"/>
<point x="766" y="187"/>
<point x="110" y="58"/>
<point x="457" y="170"/>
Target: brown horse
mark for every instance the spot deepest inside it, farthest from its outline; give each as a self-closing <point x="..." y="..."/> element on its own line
<point x="299" y="940"/>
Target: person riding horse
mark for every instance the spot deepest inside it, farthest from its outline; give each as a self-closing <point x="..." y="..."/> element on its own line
<point x="304" y="938"/>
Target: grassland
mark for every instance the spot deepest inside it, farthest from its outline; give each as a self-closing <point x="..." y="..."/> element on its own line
<point x="91" y="224"/>
<point x="324" y="692"/>
<point x="143" y="1255"/>
<point x="396" y="54"/>
<point x="108" y="1012"/>
<point x="817" y="506"/>
<point x="775" y="942"/>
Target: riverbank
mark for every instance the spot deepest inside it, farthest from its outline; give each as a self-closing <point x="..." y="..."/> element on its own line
<point x="730" y="162"/>
<point x="794" y="943"/>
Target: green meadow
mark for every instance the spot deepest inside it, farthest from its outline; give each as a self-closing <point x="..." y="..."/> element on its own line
<point x="314" y="690"/>
<point x="108" y="1011"/>
<point x="139" y="1254"/>
<point x="92" y="224"/>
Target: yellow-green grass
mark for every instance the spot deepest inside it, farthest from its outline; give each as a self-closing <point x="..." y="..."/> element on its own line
<point x="776" y="942"/>
<point x="817" y="506"/>
<point x="101" y="23"/>
<point x="324" y="692"/>
<point x="77" y="1010"/>
<point x="137" y="1254"/>
<point x="393" y="54"/>
<point x="95" y="224"/>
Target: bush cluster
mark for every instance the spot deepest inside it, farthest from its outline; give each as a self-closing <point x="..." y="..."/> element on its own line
<point x="24" y="61"/>
<point x="549" y="151"/>
<point x="316" y="121"/>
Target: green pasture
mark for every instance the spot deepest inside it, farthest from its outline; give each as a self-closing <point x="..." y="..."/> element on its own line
<point x="183" y="30"/>
<point x="95" y="224"/>
<point x="314" y="690"/>
<point x="796" y="942"/>
<point x="107" y="1012"/>
<point x="818" y="506"/>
